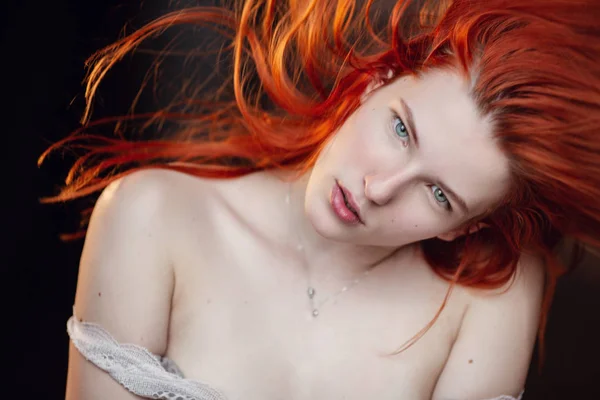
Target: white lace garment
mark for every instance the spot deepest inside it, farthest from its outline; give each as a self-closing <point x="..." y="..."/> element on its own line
<point x="141" y="372"/>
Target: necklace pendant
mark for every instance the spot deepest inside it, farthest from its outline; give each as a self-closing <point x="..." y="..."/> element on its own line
<point x="311" y="292"/>
<point x="315" y="313"/>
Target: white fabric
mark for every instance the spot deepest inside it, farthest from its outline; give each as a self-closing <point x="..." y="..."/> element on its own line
<point x="134" y="367"/>
<point x="509" y="397"/>
<point x="141" y="372"/>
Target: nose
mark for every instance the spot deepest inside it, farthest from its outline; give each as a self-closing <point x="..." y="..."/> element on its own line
<point x="381" y="188"/>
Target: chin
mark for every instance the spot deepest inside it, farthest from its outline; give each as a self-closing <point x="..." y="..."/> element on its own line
<point x="321" y="223"/>
<point x="326" y="225"/>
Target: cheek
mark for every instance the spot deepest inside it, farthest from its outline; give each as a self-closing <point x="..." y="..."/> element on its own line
<point x="363" y="138"/>
<point x="413" y="218"/>
<point x="417" y="223"/>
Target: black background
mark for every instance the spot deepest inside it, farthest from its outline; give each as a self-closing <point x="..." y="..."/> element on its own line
<point x="43" y="48"/>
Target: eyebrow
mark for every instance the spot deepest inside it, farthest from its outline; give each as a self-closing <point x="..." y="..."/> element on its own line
<point x="457" y="199"/>
<point x="410" y="120"/>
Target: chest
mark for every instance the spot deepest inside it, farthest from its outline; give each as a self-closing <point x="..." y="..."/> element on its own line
<point x="241" y="321"/>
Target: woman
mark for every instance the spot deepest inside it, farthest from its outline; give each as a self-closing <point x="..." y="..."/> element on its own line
<point x="384" y="228"/>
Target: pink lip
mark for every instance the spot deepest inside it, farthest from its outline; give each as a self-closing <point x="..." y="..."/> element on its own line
<point x="351" y="200"/>
<point x="339" y="205"/>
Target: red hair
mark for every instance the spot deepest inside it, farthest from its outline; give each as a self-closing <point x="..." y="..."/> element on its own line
<point x="532" y="66"/>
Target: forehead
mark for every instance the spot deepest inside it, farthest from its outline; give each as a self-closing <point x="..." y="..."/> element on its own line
<point x="456" y="143"/>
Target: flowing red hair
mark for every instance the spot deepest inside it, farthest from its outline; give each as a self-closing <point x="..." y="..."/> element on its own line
<point x="533" y="67"/>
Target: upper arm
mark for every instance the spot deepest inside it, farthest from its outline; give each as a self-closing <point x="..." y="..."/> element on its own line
<point x="125" y="278"/>
<point x="492" y="352"/>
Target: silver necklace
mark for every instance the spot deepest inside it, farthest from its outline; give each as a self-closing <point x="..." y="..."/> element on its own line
<point x="311" y="292"/>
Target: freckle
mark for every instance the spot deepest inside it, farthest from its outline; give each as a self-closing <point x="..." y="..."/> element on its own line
<point x="416" y="226"/>
<point x="80" y="319"/>
<point x="99" y="294"/>
<point x="470" y="361"/>
<point x="208" y="301"/>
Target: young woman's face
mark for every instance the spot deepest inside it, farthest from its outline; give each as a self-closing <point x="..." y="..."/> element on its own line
<point x="417" y="158"/>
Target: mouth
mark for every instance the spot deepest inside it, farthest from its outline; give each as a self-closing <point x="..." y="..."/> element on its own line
<point x="350" y="202"/>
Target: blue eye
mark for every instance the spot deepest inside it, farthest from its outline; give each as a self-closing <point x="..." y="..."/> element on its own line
<point x="399" y="128"/>
<point x="440" y="197"/>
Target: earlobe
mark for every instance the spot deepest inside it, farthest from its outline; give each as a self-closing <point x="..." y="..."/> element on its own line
<point x="451" y="235"/>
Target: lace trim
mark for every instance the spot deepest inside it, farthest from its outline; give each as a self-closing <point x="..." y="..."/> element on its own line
<point x="504" y="397"/>
<point x="134" y="367"/>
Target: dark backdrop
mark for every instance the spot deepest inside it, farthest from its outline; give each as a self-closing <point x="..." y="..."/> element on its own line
<point x="43" y="47"/>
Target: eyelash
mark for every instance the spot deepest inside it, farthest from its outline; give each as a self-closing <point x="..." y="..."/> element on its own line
<point x="446" y="205"/>
<point x="395" y="117"/>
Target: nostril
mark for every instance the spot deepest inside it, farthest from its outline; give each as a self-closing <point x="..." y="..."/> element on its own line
<point x="382" y="188"/>
<point x="370" y="193"/>
<point x="366" y="188"/>
<point x="376" y="193"/>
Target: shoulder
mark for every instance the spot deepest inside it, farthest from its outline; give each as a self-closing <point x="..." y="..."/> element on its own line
<point x="527" y="281"/>
<point x="492" y="353"/>
<point x="158" y="196"/>
<point x="172" y="199"/>
<point x="138" y="195"/>
<point x="161" y="186"/>
<point x="155" y="188"/>
<point x="521" y="295"/>
<point x="126" y="277"/>
<point x="128" y="252"/>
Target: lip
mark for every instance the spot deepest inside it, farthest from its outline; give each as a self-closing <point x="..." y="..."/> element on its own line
<point x="350" y="198"/>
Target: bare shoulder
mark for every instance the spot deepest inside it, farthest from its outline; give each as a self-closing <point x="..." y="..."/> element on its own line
<point x="527" y="281"/>
<point x="126" y="263"/>
<point x="165" y="185"/>
<point x="126" y="277"/>
<point x="128" y="268"/>
<point x="493" y="350"/>
<point x="181" y="187"/>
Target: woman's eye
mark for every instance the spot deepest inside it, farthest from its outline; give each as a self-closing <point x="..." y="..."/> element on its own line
<point x="399" y="128"/>
<point x="440" y="197"/>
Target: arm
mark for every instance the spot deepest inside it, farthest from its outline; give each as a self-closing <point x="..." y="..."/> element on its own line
<point x="492" y="352"/>
<point x="125" y="278"/>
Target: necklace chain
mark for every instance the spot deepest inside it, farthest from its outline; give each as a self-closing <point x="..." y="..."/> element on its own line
<point x="311" y="292"/>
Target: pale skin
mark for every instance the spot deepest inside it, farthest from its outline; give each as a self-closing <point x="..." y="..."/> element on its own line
<point x="207" y="272"/>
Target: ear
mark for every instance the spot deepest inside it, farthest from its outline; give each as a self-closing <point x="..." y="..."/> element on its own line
<point x="373" y="85"/>
<point x="453" y="234"/>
